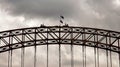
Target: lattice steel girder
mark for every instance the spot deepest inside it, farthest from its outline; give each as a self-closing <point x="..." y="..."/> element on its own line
<point x="92" y="37"/>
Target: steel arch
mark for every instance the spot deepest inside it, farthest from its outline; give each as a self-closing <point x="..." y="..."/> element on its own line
<point x="92" y="37"/>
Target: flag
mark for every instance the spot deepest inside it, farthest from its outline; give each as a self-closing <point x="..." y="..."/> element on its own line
<point x="62" y="17"/>
<point x="61" y="21"/>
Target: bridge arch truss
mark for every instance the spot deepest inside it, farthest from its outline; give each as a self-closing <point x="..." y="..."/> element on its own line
<point x="50" y="35"/>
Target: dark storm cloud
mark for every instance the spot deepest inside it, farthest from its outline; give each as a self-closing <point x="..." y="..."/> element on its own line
<point x="98" y="13"/>
<point x="40" y="8"/>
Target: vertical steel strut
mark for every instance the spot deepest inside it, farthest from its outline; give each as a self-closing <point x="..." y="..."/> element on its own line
<point x="59" y="47"/>
<point x="11" y="58"/>
<point x="47" y="48"/>
<point x="110" y="52"/>
<point x="107" y="58"/>
<point x="22" y="56"/>
<point x="72" y="54"/>
<point x="98" y="57"/>
<point x="10" y="42"/>
<point x="22" y="49"/>
<point x="83" y="55"/>
<point x="95" y="50"/>
<point x="83" y="52"/>
<point x="119" y="51"/>
<point x="97" y="53"/>
<point x="35" y="51"/>
<point x="8" y="58"/>
<point x="83" y="49"/>
<point x="107" y="52"/>
<point x="95" y="56"/>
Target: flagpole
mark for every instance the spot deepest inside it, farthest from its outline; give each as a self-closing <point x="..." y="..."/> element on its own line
<point x="61" y="19"/>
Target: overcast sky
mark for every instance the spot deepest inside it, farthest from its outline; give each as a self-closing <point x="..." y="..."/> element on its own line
<point x="103" y="14"/>
<point x="90" y="13"/>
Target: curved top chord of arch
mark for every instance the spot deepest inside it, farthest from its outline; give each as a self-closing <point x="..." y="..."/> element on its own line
<point x="92" y="37"/>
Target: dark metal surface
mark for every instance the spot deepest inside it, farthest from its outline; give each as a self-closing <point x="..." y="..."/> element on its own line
<point x="50" y="35"/>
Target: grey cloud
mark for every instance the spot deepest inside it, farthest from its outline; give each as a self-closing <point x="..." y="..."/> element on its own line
<point x="96" y="13"/>
<point x="41" y="8"/>
<point x="109" y="10"/>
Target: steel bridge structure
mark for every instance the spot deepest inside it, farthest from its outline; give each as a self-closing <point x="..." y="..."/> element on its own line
<point x="61" y="35"/>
